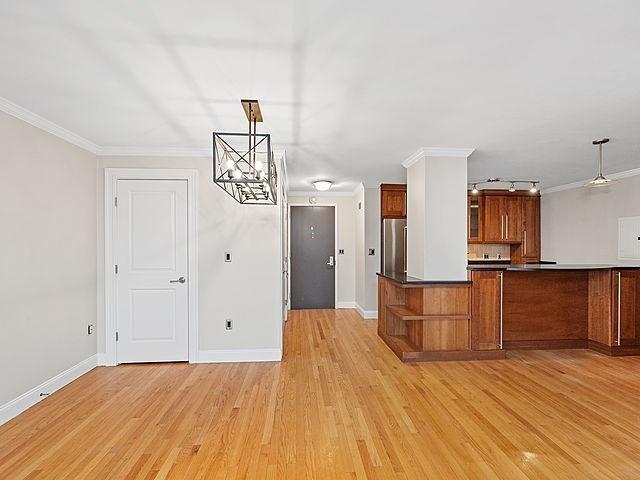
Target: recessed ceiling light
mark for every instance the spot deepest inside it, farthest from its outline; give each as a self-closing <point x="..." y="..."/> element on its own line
<point x="322" y="185"/>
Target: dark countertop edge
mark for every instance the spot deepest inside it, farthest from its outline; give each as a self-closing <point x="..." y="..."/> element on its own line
<point x="546" y="267"/>
<point x="403" y="279"/>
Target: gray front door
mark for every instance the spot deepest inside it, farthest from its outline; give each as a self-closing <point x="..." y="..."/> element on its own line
<point x="312" y="257"/>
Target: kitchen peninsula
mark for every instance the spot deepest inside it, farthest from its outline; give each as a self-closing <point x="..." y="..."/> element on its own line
<point x="507" y="307"/>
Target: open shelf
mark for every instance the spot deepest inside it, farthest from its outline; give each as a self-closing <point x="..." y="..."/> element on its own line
<point x="406" y="314"/>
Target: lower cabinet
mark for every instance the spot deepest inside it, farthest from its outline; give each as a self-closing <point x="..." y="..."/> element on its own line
<point x="486" y="311"/>
<point x="626" y="312"/>
<point x="614" y="309"/>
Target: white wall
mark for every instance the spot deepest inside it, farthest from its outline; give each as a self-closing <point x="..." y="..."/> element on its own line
<point x="416" y="204"/>
<point x="345" y="264"/>
<point x="581" y="225"/>
<point x="48" y="267"/>
<point x="372" y="240"/>
<point x="247" y="290"/>
<point x="360" y="263"/>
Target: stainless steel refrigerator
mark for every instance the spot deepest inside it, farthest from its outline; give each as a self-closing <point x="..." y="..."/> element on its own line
<point x="394" y="245"/>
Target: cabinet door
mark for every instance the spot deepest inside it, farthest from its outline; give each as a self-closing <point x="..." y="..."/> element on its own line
<point x="493" y="224"/>
<point x="474" y="218"/>
<point x="393" y="203"/>
<point x="627" y="306"/>
<point x="531" y="229"/>
<point x="485" y="310"/>
<point x="512" y="211"/>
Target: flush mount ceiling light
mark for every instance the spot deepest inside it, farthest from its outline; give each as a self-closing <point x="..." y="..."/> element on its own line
<point x="600" y="179"/>
<point x="501" y="183"/>
<point x="243" y="163"/>
<point x="322" y="185"/>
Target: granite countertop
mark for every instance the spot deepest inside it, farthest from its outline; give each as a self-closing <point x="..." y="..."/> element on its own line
<point x="405" y="279"/>
<point x="540" y="267"/>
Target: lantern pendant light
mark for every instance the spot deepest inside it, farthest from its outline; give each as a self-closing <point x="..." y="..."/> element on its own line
<point x="243" y="163"/>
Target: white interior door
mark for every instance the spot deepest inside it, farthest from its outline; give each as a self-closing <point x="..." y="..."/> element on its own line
<point x="153" y="278"/>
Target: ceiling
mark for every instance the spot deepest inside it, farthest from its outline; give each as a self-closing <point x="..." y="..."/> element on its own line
<point x="349" y="89"/>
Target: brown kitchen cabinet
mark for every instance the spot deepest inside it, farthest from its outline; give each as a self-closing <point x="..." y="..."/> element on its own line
<point x="474" y="219"/>
<point x="393" y="200"/>
<point x="530" y="252"/>
<point x="626" y="311"/>
<point x="486" y="315"/>
<point x="502" y="218"/>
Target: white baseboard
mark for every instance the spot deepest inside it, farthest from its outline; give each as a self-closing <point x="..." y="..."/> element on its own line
<point x="18" y="405"/>
<point x="367" y="314"/>
<point x="103" y="361"/>
<point x="226" y="356"/>
<point x="346" y="305"/>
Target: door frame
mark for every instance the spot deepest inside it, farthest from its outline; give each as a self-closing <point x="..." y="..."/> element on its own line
<point x="335" y="252"/>
<point x="111" y="177"/>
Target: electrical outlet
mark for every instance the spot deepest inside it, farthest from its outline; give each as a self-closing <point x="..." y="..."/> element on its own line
<point x="227" y="256"/>
<point x="228" y="324"/>
<point x="341" y="251"/>
<point x="90" y="329"/>
<point x="372" y="251"/>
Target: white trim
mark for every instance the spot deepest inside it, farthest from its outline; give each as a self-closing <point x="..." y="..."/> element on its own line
<point x="367" y="314"/>
<point x="18" y="405"/>
<point x="111" y="177"/>
<point x="436" y="152"/>
<point x="42" y="123"/>
<point x="102" y="359"/>
<point x="251" y="355"/>
<point x="336" y="246"/>
<point x="346" y="305"/>
<point x="583" y="183"/>
<point x="329" y="193"/>
<point x="133" y="151"/>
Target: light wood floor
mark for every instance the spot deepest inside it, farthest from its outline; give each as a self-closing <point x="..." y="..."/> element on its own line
<point x="340" y="406"/>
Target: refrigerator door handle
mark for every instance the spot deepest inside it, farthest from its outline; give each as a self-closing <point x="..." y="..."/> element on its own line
<point x="405" y="249"/>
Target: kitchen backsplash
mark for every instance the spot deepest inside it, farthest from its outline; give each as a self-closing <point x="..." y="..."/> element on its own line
<point x="477" y="251"/>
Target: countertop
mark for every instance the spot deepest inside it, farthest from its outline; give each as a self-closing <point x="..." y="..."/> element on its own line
<point x="405" y="279"/>
<point x="538" y="267"/>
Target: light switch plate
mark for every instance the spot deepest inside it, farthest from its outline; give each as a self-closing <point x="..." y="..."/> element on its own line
<point x="227" y="256"/>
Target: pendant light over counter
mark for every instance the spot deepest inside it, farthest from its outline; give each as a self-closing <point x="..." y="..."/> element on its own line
<point x="243" y="163"/>
<point x="600" y="180"/>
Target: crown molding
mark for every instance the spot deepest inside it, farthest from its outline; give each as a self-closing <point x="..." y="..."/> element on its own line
<point x="153" y="152"/>
<point x="37" y="121"/>
<point x="436" y="152"/>
<point x="583" y="183"/>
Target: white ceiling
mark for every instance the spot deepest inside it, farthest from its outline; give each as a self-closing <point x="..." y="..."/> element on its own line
<point x="348" y="88"/>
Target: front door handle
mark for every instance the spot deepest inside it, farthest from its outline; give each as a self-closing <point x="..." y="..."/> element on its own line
<point x="331" y="262"/>
<point x="180" y="280"/>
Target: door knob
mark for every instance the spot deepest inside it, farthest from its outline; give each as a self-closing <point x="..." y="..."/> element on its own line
<point x="180" y="280"/>
<point x="331" y="262"/>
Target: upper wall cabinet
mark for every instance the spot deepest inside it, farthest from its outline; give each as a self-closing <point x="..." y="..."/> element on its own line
<point x="393" y="200"/>
<point x="502" y="218"/>
<point x="474" y="219"/>
<point x="497" y="216"/>
<point x="530" y="229"/>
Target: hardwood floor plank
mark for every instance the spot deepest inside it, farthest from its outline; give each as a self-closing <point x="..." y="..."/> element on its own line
<point x="339" y="406"/>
